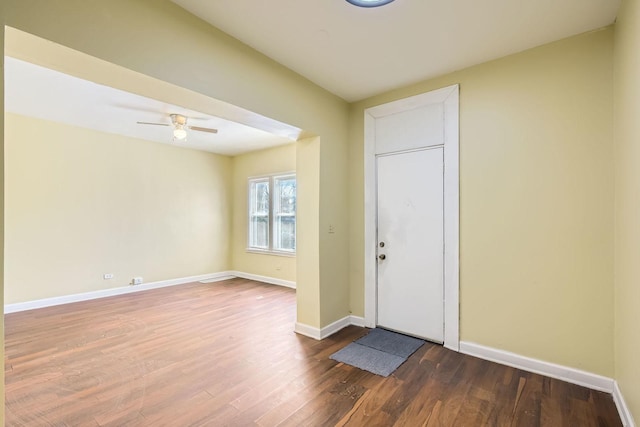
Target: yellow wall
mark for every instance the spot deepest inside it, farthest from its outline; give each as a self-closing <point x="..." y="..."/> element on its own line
<point x="173" y="45"/>
<point x="257" y="163"/>
<point x="81" y="203"/>
<point x="627" y="208"/>
<point x="92" y="203"/>
<point x="537" y="194"/>
<point x="308" y="237"/>
<point x="536" y="201"/>
<point x="2" y="201"/>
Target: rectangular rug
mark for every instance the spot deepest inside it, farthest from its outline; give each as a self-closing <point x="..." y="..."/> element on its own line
<point x="380" y="351"/>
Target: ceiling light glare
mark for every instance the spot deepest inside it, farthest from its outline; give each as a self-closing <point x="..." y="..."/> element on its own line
<point x="179" y="134"/>
<point x="369" y="3"/>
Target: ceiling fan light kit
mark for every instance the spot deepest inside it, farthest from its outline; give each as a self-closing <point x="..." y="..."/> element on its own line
<point x="179" y="123"/>
<point x="179" y="134"/>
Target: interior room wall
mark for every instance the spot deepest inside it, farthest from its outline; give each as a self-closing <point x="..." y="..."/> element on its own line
<point x="174" y="46"/>
<point x="536" y="172"/>
<point x="627" y="207"/>
<point x="258" y="163"/>
<point x="81" y="203"/>
<point x="536" y="201"/>
<point x="307" y="244"/>
<point x="2" y="20"/>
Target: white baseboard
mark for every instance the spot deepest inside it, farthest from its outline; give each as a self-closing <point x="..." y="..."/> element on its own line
<point x="265" y="279"/>
<point x="564" y="373"/>
<point x="357" y="321"/>
<point x="334" y="327"/>
<point x="307" y="331"/>
<point x="320" y="334"/>
<point x="623" y="409"/>
<point x="85" y="296"/>
<point x="103" y="293"/>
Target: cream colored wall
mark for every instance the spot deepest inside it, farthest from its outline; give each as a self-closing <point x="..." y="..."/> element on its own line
<point x="536" y="201"/>
<point x="173" y="45"/>
<point x="308" y="236"/>
<point x="627" y="208"/>
<point x="536" y="172"/>
<point x="257" y="163"/>
<point x="81" y="203"/>
<point x="2" y="20"/>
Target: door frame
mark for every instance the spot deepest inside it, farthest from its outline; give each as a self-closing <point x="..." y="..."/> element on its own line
<point x="449" y="98"/>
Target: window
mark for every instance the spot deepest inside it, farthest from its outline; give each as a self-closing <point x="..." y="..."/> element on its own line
<point x="259" y="214"/>
<point x="272" y="214"/>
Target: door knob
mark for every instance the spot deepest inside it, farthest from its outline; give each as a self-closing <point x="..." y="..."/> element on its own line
<point x="382" y="256"/>
<point x="382" y="244"/>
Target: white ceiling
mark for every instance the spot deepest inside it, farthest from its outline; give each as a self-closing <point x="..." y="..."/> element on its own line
<point x="35" y="91"/>
<point x="359" y="52"/>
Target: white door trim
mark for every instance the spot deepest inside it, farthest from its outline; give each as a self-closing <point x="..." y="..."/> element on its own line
<point x="447" y="96"/>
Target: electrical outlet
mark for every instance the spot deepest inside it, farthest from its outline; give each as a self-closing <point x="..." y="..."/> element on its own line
<point x="136" y="281"/>
<point x="107" y="276"/>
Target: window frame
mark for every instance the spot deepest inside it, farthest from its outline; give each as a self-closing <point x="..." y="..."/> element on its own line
<point x="251" y="214"/>
<point x="271" y="180"/>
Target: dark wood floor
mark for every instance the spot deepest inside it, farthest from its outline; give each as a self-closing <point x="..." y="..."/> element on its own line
<point x="225" y="354"/>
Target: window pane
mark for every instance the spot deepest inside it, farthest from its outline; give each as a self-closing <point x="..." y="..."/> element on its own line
<point x="259" y="232"/>
<point x="259" y="214"/>
<point x="285" y="195"/>
<point x="284" y="213"/>
<point x="285" y="233"/>
<point x="260" y="197"/>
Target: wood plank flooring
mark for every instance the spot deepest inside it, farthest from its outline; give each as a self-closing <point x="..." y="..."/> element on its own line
<point x="225" y="354"/>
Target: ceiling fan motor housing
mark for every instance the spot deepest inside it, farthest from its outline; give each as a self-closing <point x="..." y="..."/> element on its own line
<point x="178" y="119"/>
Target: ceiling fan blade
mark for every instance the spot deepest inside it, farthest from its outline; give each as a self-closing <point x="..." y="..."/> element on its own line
<point x="156" y="124"/>
<point x="198" y="128"/>
<point x="142" y="109"/>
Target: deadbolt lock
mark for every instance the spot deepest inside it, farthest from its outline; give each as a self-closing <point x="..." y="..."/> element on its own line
<point x="382" y="244"/>
<point x="382" y="256"/>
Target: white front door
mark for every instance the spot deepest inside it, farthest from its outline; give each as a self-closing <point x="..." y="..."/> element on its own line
<point x="410" y="213"/>
<point x="415" y="288"/>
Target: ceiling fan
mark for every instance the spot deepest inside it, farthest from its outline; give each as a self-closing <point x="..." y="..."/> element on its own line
<point x="179" y="123"/>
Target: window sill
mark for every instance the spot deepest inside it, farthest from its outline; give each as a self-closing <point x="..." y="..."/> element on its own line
<point x="271" y="252"/>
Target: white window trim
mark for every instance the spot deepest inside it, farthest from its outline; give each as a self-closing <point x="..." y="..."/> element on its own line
<point x="271" y="252"/>
<point x="271" y="179"/>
